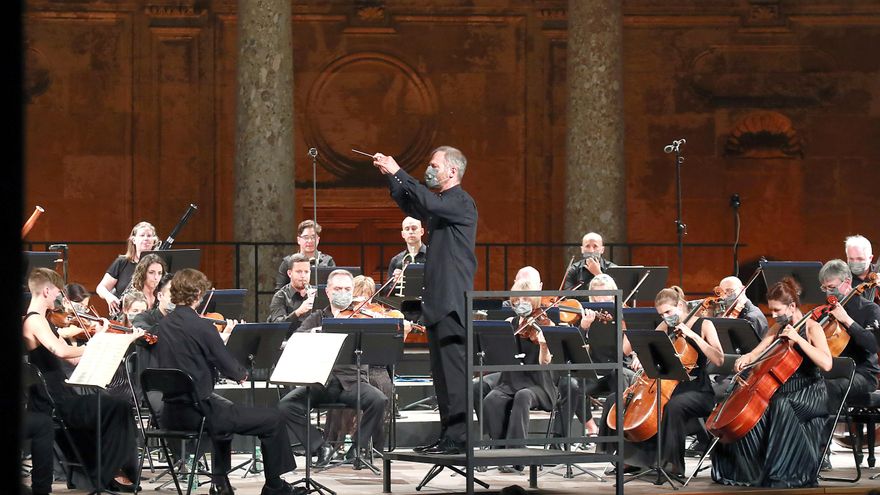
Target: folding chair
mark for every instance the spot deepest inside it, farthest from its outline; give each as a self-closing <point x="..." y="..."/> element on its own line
<point x="176" y="385"/>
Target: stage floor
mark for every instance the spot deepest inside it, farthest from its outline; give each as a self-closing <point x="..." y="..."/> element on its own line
<point x="406" y="476"/>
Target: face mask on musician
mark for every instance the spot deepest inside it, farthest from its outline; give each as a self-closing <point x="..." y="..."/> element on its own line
<point x="672" y="320"/>
<point x="170" y="306"/>
<point x="783" y="320"/>
<point x="593" y="256"/>
<point x="858" y="267"/>
<point x="523" y="308"/>
<point x="431" y="178"/>
<point x="729" y="299"/>
<point x="341" y="299"/>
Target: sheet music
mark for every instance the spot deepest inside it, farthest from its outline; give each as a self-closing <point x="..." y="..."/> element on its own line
<point x="308" y="358"/>
<point x="103" y="354"/>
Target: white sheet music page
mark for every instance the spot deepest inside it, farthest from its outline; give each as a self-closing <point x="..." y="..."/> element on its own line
<point x="103" y="354"/>
<point x="308" y="358"/>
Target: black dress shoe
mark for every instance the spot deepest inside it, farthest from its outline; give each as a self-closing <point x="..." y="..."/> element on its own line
<point x="325" y="455"/>
<point x="446" y="447"/>
<point x="221" y="488"/>
<point x="284" y="488"/>
<point x="422" y="448"/>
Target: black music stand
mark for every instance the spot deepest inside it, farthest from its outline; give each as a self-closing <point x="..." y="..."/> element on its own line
<point x="178" y="259"/>
<point x="412" y="283"/>
<point x="643" y="282"/>
<point x="374" y="342"/>
<point x="228" y="302"/>
<point x="737" y="336"/>
<point x="642" y="318"/>
<point x="805" y="272"/>
<point x="256" y="345"/>
<point x="569" y="344"/>
<point x="40" y="259"/>
<point x="659" y="361"/>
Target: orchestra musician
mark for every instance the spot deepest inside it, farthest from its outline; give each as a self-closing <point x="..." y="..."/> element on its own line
<point x="77" y="293"/>
<point x="294" y="301"/>
<point x="192" y="344"/>
<point x="506" y="408"/>
<point x="147" y="274"/>
<point x="46" y="350"/>
<point x="450" y="215"/>
<point x="578" y="395"/>
<point x="690" y="400"/>
<point x="783" y="448"/>
<point x="733" y="296"/>
<point x="412" y="232"/>
<point x="133" y="304"/>
<point x="341" y="386"/>
<point x="581" y="272"/>
<point x="860" y="318"/>
<point x="308" y="235"/>
<point x="119" y="274"/>
<point x="858" y="257"/>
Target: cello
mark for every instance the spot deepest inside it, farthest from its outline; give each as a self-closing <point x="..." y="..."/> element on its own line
<point x="640" y="399"/>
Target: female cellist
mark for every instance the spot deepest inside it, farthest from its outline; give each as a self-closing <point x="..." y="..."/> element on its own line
<point x="784" y="447"/>
<point x="506" y="408"/>
<point x="118" y="276"/>
<point x="690" y="400"/>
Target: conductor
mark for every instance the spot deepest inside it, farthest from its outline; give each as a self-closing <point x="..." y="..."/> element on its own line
<point x="450" y="215"/>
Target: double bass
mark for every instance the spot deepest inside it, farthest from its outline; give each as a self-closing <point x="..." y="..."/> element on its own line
<point x="640" y="399"/>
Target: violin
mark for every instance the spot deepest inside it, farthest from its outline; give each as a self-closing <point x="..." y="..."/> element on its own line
<point x="217" y="319"/>
<point x="526" y="329"/>
<point x="735" y="310"/>
<point x="376" y="310"/>
<point x="62" y="319"/>
<point x="837" y="336"/>
<point x="640" y="399"/>
<point x="570" y="311"/>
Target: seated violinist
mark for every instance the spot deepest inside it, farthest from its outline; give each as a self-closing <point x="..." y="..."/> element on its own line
<point x="783" y="449"/>
<point x="859" y="319"/>
<point x="133" y="304"/>
<point x="733" y="296"/>
<point x="341" y="386"/>
<point x="581" y="272"/>
<point x="690" y="400"/>
<point x="591" y="387"/>
<point x="858" y="257"/>
<point x="506" y="408"/>
<point x="48" y="352"/>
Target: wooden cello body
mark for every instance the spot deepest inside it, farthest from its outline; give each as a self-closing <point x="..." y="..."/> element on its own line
<point x="640" y="398"/>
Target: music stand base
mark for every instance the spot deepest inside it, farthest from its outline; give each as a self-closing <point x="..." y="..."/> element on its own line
<point x="313" y="486"/>
<point x="436" y="469"/>
<point x="569" y="474"/>
<point x="662" y="477"/>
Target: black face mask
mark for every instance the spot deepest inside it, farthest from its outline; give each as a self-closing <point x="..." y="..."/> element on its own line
<point x="783" y="320"/>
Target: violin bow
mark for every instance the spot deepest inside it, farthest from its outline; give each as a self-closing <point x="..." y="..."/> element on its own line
<point x="205" y="308"/>
<point x="744" y="287"/>
<point x="531" y="319"/>
<point x="366" y="301"/>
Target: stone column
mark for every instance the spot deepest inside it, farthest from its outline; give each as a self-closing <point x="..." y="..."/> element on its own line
<point x="264" y="170"/>
<point x="595" y="194"/>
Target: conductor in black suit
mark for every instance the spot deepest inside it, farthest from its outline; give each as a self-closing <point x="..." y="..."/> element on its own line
<point x="450" y="215"/>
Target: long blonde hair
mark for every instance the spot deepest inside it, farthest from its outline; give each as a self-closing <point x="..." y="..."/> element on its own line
<point x="131" y="250"/>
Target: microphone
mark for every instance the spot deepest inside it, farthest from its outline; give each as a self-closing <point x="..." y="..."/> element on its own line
<point x="734" y="201"/>
<point x="669" y="148"/>
<point x="313" y="152"/>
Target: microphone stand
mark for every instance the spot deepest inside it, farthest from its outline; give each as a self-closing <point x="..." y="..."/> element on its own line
<point x="313" y="152"/>
<point x="680" y="227"/>
<point x="735" y="204"/>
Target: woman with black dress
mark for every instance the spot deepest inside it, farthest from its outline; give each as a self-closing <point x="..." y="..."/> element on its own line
<point x="690" y="400"/>
<point x="47" y="351"/>
<point x="118" y="276"/>
<point x="506" y="407"/>
<point x="784" y="448"/>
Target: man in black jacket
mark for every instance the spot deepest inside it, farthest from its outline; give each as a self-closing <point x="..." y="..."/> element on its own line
<point x="859" y="318"/>
<point x="193" y="345"/>
<point x="581" y="272"/>
<point x="733" y="295"/>
<point x="450" y="215"/>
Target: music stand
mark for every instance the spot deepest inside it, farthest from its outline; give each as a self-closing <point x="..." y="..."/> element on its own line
<point x="256" y="345"/>
<point x="805" y="272"/>
<point x="318" y="351"/>
<point x="324" y="271"/>
<point x="40" y="259"/>
<point x="737" y="336"/>
<point x="642" y="318"/>
<point x="412" y="283"/>
<point x="376" y="342"/>
<point x="659" y="361"/>
<point x="628" y="278"/>
<point x="228" y="302"/>
<point x="178" y="259"/>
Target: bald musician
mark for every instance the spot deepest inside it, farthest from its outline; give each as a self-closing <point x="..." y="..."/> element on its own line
<point x="581" y="272"/>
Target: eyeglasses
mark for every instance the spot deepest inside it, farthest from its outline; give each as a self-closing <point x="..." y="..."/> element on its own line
<point x="308" y="237"/>
<point x="826" y="288"/>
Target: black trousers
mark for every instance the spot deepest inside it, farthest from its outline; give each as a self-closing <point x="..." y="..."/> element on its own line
<point x="861" y="385"/>
<point x="225" y="418"/>
<point x="506" y="415"/>
<point x="578" y="397"/>
<point x="373" y="405"/>
<point x="481" y="390"/>
<point x="40" y="429"/>
<point x="447" y="347"/>
<point x="118" y="430"/>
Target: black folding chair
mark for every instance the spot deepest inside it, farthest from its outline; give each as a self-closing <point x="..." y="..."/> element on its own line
<point x="33" y="380"/>
<point x="178" y="386"/>
<point x="842" y="367"/>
